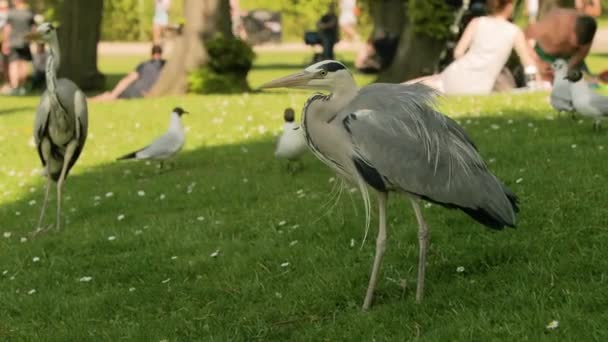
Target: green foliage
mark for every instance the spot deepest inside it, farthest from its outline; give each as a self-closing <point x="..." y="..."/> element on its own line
<point x="430" y="17"/>
<point x="121" y="20"/>
<point x="226" y="71"/>
<point x="299" y="16"/>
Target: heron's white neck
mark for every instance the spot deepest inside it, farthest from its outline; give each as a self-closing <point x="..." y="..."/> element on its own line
<point x="52" y="64"/>
<point x="342" y="94"/>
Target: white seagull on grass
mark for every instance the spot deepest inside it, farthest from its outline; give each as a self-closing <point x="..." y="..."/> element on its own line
<point x="165" y="146"/>
<point x="291" y="144"/>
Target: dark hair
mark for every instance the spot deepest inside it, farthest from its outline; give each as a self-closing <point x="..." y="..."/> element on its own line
<point x="157" y="49"/>
<point x="495" y="6"/>
<point x="289" y="114"/>
<point x="585" y="29"/>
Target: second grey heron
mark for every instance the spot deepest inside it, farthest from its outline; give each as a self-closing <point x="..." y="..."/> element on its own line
<point x="392" y="139"/>
<point x="167" y="145"/>
<point x="61" y="123"/>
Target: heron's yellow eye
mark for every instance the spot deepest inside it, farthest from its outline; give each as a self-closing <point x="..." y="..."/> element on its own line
<point x="323" y="73"/>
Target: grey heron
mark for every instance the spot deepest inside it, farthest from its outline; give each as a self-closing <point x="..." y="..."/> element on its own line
<point x="61" y="123"/>
<point x="560" y="99"/>
<point x="291" y="144"/>
<point x="165" y="146"/>
<point x="391" y="138"/>
<point x="585" y="101"/>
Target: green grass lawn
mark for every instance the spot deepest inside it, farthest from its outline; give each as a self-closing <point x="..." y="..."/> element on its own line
<point x="227" y="245"/>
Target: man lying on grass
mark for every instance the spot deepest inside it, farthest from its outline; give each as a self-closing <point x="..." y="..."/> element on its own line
<point x="138" y="82"/>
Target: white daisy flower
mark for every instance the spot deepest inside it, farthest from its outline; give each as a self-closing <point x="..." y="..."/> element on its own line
<point x="519" y="180"/>
<point x="35" y="259"/>
<point x="31" y="292"/>
<point x="109" y="194"/>
<point x="553" y="325"/>
<point x="166" y="280"/>
<point x="85" y="279"/>
<point x="7" y="234"/>
<point x="111" y="238"/>
<point x="215" y="254"/>
<point x="285" y="264"/>
<point x="141" y="193"/>
<point x="460" y="269"/>
<point x="120" y="217"/>
<point x="282" y="223"/>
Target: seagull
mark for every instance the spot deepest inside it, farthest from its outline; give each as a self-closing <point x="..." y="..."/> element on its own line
<point x="561" y="100"/>
<point x="585" y="101"/>
<point x="165" y="146"/>
<point x="291" y="144"/>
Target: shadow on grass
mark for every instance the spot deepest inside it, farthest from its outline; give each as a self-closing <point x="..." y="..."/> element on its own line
<point x="238" y="202"/>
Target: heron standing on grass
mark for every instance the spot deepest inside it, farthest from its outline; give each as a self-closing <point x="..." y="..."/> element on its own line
<point x="61" y="123"/>
<point x="390" y="138"/>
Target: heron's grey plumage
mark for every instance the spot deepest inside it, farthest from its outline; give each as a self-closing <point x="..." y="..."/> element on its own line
<point x="165" y="146"/>
<point x="391" y="138"/>
<point x="61" y="121"/>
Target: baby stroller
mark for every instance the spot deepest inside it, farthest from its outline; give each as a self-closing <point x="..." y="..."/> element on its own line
<point x="313" y="39"/>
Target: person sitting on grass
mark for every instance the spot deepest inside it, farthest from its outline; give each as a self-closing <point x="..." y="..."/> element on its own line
<point x="481" y="53"/>
<point x="561" y="33"/>
<point x="137" y="83"/>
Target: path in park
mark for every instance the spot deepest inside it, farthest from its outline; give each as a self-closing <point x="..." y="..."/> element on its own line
<point x="600" y="45"/>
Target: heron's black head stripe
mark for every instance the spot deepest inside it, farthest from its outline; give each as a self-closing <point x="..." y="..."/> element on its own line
<point x="333" y="66"/>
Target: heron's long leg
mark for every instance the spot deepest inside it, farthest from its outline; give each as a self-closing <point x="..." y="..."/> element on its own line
<point x="46" y="199"/>
<point x="380" y="247"/>
<point x="69" y="152"/>
<point x="423" y="240"/>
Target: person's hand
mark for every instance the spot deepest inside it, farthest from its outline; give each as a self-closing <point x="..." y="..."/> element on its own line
<point x="6" y="49"/>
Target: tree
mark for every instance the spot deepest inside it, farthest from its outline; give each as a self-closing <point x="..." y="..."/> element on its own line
<point x="78" y="36"/>
<point x="203" y="20"/>
<point x="422" y="37"/>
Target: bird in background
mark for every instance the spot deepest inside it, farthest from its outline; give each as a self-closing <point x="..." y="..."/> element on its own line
<point x="390" y="138"/>
<point x="165" y="146"/>
<point x="586" y="102"/>
<point x="561" y="99"/>
<point x="291" y="144"/>
<point x="61" y="122"/>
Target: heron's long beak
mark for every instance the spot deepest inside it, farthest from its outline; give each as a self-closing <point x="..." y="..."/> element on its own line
<point x="294" y="80"/>
<point x="33" y="36"/>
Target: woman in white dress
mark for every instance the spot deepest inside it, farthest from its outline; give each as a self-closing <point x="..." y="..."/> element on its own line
<point x="481" y="53"/>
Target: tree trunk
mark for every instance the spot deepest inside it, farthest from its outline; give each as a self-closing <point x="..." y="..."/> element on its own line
<point x="388" y="16"/>
<point x="204" y="19"/>
<point x="416" y="55"/>
<point x="78" y="37"/>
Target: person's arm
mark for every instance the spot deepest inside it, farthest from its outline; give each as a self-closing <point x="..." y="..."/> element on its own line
<point x="166" y="4"/>
<point x="523" y="49"/>
<point x="465" y="40"/>
<point x="6" y="32"/>
<point x="579" y="56"/>
<point x="123" y="84"/>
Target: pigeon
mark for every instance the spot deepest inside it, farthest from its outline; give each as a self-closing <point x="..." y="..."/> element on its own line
<point x="585" y="101"/>
<point x="561" y="100"/>
<point x="165" y="146"/>
<point x="291" y="144"/>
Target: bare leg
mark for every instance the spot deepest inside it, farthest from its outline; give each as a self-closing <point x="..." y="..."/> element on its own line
<point x="69" y="152"/>
<point x="380" y="247"/>
<point x="423" y="240"/>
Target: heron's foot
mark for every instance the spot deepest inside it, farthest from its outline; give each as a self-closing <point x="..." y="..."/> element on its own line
<point x="40" y="230"/>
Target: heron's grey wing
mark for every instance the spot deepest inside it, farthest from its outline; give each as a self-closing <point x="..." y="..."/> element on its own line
<point x="40" y="122"/>
<point x="81" y="114"/>
<point x="599" y="102"/>
<point x="163" y="147"/>
<point x="399" y="136"/>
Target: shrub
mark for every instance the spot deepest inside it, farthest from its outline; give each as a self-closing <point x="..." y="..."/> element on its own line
<point x="230" y="60"/>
